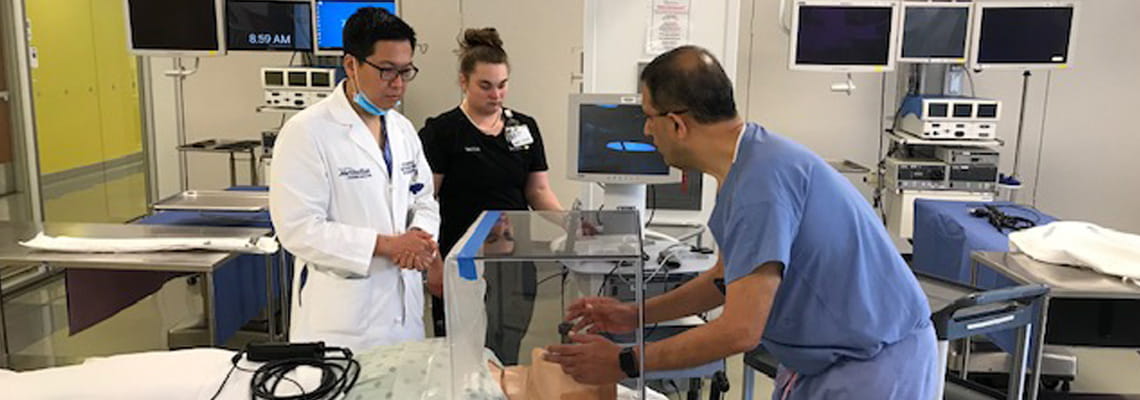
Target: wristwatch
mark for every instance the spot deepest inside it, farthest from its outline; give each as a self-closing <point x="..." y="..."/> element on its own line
<point x="627" y="359"/>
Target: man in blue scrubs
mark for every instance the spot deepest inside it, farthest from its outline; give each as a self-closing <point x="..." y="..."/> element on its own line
<point x="811" y="273"/>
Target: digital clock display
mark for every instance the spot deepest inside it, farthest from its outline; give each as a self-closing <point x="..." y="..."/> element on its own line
<point x="269" y="25"/>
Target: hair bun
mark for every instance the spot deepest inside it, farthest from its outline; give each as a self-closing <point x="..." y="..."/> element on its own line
<point x="489" y="37"/>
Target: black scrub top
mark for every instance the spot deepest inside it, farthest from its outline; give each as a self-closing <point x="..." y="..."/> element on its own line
<point x="480" y="172"/>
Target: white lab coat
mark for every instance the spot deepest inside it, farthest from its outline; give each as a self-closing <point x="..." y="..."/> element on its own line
<point x="330" y="196"/>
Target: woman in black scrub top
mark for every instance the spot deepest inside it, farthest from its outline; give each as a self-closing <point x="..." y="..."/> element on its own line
<point x="487" y="157"/>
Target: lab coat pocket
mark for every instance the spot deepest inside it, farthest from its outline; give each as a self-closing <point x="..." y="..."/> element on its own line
<point x="336" y="304"/>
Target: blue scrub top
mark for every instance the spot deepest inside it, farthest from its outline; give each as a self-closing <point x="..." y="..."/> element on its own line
<point x="846" y="293"/>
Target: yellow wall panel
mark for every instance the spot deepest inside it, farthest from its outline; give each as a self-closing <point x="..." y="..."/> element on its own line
<point x="67" y="108"/>
<point x="67" y="138"/>
<point x="62" y="35"/>
<point x="118" y="81"/>
<point x="86" y="84"/>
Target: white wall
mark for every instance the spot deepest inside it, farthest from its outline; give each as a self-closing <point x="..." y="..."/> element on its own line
<point x="1090" y="167"/>
<point x="221" y="100"/>
<point x="1089" y="170"/>
<point x="540" y="39"/>
<point x="436" y="88"/>
<point x="616" y="32"/>
<point x="800" y="105"/>
<point x="165" y="140"/>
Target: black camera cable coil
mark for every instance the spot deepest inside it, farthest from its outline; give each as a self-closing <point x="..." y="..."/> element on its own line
<point x="1001" y="220"/>
<point x="338" y="376"/>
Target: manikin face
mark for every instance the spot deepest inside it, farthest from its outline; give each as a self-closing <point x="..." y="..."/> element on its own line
<point x="501" y="239"/>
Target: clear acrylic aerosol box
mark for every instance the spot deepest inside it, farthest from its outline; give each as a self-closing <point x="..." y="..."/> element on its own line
<point x="506" y="277"/>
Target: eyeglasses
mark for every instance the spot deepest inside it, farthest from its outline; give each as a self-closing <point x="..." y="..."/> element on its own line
<point x="682" y="111"/>
<point x="407" y="73"/>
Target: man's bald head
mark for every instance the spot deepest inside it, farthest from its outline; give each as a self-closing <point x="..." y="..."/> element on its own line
<point x="690" y="79"/>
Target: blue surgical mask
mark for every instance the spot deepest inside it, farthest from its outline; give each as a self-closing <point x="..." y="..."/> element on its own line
<point x="362" y="100"/>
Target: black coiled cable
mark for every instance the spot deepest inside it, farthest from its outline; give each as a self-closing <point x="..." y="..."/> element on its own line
<point x="338" y="376"/>
<point x="1002" y="221"/>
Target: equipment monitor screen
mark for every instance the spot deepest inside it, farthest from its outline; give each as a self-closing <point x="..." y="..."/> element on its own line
<point x="275" y="78"/>
<point x="185" y="26"/>
<point x="331" y="16"/>
<point x="269" y="25"/>
<point x="1025" y="35"/>
<point x="611" y="141"/>
<point x="843" y="36"/>
<point x="931" y="33"/>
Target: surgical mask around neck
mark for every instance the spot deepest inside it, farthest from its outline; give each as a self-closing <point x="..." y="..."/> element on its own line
<point x="362" y="100"/>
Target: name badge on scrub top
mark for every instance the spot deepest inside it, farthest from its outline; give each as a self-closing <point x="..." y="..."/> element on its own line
<point x="519" y="136"/>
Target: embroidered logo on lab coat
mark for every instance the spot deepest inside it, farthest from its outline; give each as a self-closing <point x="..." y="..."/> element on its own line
<point x="355" y="173"/>
<point x="409" y="168"/>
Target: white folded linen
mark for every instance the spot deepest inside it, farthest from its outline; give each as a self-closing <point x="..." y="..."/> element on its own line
<point x="260" y="245"/>
<point x="1082" y="244"/>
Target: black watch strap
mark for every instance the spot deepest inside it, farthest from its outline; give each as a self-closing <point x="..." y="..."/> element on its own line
<point x="628" y="362"/>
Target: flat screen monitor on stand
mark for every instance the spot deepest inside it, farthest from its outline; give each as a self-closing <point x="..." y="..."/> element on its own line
<point x="843" y="36"/>
<point x="329" y="17"/>
<point x="1021" y="36"/>
<point x="608" y="145"/>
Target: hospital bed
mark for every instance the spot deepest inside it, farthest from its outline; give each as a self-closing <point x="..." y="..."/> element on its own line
<point x="413" y="370"/>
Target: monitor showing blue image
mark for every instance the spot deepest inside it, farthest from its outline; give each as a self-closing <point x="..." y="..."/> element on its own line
<point x="607" y="142"/>
<point x="611" y="140"/>
<point x="331" y="16"/>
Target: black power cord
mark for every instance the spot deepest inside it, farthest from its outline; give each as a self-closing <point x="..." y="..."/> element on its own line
<point x="1000" y="220"/>
<point x="606" y="278"/>
<point x="338" y="375"/>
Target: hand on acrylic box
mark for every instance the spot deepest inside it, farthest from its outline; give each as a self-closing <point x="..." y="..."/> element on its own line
<point x="602" y="314"/>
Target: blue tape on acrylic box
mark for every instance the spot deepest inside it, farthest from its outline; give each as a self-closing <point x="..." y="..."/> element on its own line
<point x="470" y="249"/>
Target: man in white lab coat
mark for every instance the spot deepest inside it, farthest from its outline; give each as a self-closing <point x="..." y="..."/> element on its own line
<point x="351" y="197"/>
